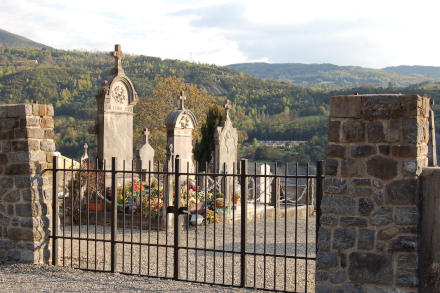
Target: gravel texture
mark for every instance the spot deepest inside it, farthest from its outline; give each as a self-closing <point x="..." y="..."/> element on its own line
<point x="151" y="260"/>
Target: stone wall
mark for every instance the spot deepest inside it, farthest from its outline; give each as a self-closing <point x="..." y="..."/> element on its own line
<point x="26" y="141"/>
<point x="377" y="147"/>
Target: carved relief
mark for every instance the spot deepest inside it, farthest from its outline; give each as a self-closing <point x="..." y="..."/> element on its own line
<point x="184" y="122"/>
<point x="119" y="93"/>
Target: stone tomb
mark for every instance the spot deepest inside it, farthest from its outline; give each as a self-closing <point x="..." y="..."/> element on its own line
<point x="114" y="129"/>
<point x="145" y="155"/>
<point x="180" y="124"/>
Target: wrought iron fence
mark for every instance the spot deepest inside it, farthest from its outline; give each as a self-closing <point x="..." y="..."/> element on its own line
<point x="164" y="223"/>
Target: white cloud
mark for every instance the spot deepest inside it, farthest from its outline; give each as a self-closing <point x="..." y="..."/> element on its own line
<point x="374" y="33"/>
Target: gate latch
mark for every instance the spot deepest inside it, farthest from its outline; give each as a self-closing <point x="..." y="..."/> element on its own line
<point x="181" y="210"/>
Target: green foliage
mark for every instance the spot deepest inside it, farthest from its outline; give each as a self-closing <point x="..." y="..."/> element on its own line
<point x="205" y="147"/>
<point x="334" y="76"/>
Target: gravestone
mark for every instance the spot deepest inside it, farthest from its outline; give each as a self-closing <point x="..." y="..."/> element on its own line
<point x="145" y="154"/>
<point x="114" y="129"/>
<point x="225" y="154"/>
<point x="264" y="184"/>
<point x="180" y="124"/>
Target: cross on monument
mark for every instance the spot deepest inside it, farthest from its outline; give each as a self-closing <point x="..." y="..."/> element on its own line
<point x="182" y="99"/>
<point x="118" y="55"/>
<point x="146" y="134"/>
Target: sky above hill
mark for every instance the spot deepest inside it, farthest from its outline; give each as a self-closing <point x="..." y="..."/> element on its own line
<point x="374" y="33"/>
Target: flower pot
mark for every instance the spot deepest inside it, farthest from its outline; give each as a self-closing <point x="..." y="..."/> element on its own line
<point x="96" y="207"/>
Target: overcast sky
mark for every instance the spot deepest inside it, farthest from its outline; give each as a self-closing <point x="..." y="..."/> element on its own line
<point x="373" y="33"/>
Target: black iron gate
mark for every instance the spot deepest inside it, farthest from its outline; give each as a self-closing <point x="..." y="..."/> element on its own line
<point x="240" y="229"/>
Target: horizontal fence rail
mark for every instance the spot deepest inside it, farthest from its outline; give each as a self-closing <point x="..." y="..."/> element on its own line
<point x="255" y="228"/>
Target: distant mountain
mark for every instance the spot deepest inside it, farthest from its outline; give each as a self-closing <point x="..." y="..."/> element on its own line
<point x="432" y="71"/>
<point x="12" y="40"/>
<point x="333" y="76"/>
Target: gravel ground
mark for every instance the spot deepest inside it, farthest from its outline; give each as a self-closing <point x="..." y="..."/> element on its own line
<point x="199" y="265"/>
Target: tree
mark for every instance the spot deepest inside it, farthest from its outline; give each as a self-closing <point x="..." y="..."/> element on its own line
<point x="205" y="147"/>
<point x="152" y="112"/>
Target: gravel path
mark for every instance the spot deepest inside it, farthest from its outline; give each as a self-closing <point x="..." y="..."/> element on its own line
<point x="223" y="268"/>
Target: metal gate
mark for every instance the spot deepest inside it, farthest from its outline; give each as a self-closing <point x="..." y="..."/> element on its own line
<point x="240" y="229"/>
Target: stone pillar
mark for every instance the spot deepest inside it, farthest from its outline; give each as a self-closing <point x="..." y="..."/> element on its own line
<point x="27" y="146"/>
<point x="368" y="240"/>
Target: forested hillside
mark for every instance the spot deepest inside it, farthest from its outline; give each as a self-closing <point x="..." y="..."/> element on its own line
<point x="13" y="40"/>
<point x="431" y="71"/>
<point x="263" y="109"/>
<point x="334" y="76"/>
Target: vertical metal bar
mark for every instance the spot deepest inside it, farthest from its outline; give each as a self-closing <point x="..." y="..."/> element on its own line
<point x="276" y="203"/>
<point x="124" y="198"/>
<point x="244" y="195"/>
<point x="255" y="225"/>
<point x="96" y="210"/>
<point x="114" y="221"/>
<point x="71" y="215"/>
<point x="149" y="216"/>
<point x="141" y="176"/>
<point x="54" y="211"/>
<point x="158" y="223"/>
<point x="226" y="189"/>
<point x="265" y="225"/>
<point x="197" y="218"/>
<point x="307" y="224"/>
<point x="80" y="216"/>
<point x="215" y="226"/>
<point x="206" y="217"/>
<point x="64" y="211"/>
<point x="88" y="210"/>
<point x="318" y="199"/>
<point x="187" y="220"/>
<point x="176" y="217"/>
<point x="285" y="224"/>
<point x="104" y="237"/>
<point x="296" y="220"/>
<point x="233" y="219"/>
<point x="132" y="215"/>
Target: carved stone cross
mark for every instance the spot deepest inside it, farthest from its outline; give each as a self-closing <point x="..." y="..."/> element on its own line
<point x="146" y="134"/>
<point x="182" y="99"/>
<point x="118" y="55"/>
<point x="227" y="108"/>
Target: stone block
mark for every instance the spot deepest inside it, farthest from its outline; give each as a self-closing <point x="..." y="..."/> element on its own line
<point x="344" y="238"/>
<point x="353" y="222"/>
<point x="407" y="263"/>
<point x="370" y="268"/>
<point x="353" y="131"/>
<point x="20" y="233"/>
<point x="334" y="131"/>
<point x="373" y="101"/>
<point x="362" y="151"/>
<point x="360" y="191"/>
<point x="383" y="216"/>
<point x="42" y="110"/>
<point x="9" y="123"/>
<point x="384" y="149"/>
<point x="361" y="181"/>
<point x="338" y="277"/>
<point x="322" y="288"/>
<point x="47" y="122"/>
<point x="375" y="132"/>
<point x="387" y="233"/>
<point x="406" y="215"/>
<point x="404" y="151"/>
<point x="3" y="159"/>
<point x="329" y="220"/>
<point x="24" y="210"/>
<point x="366" y="206"/>
<point x="19" y="157"/>
<point x="336" y="151"/>
<point x="49" y="134"/>
<point x="35" y="133"/>
<point x="3" y="111"/>
<point x="17" y="111"/>
<point x="348" y="288"/>
<point x="324" y="239"/>
<point x="47" y="145"/>
<point x="366" y="239"/>
<point x="49" y="111"/>
<point x="382" y="167"/>
<point x="32" y="121"/>
<point x="335" y="185"/>
<point x="326" y="260"/>
<point x="12" y="196"/>
<point x="337" y="204"/>
<point x="403" y="243"/>
<point x="392" y="130"/>
<point x="402" y="191"/>
<point x="345" y="107"/>
<point x="7" y="244"/>
<point x="352" y="168"/>
<point x="331" y="167"/>
<point x="35" y="109"/>
<point x="319" y="275"/>
<point x="23" y="181"/>
<point x="407" y="280"/>
<point x="18" y="169"/>
<point x="413" y="130"/>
